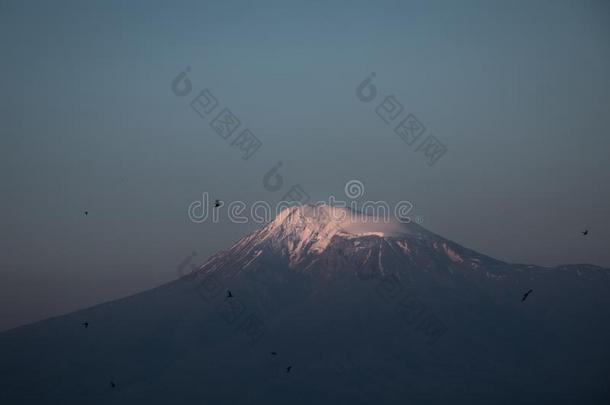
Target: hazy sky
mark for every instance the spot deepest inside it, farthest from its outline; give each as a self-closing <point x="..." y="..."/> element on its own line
<point x="519" y="92"/>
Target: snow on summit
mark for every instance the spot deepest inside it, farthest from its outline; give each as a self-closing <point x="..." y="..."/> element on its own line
<point x="312" y="235"/>
<point x="313" y="226"/>
<point x="330" y="220"/>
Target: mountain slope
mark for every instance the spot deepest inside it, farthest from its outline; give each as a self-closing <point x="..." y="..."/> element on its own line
<point x="363" y="311"/>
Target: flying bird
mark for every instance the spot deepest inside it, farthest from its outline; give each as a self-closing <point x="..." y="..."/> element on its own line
<point x="217" y="203"/>
<point x="526" y="294"/>
<point x="112" y="384"/>
<point x="585" y="232"/>
<point x="86" y="213"/>
<point x="229" y="294"/>
<point x="288" y="369"/>
<point x="274" y="353"/>
<point x="85" y="324"/>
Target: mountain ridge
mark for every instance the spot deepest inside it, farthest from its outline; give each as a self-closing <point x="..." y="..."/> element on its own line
<point x="363" y="315"/>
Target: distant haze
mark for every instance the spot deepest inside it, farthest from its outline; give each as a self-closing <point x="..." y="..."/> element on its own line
<point x="518" y="92"/>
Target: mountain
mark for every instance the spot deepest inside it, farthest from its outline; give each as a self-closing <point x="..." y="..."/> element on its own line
<point x="362" y="310"/>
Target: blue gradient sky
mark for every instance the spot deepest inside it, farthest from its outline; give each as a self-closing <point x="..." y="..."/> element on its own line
<point x="518" y="91"/>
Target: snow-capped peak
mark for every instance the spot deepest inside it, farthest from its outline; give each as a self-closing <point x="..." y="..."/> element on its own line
<point x="330" y="220"/>
<point x="322" y="237"/>
<point x="310" y="228"/>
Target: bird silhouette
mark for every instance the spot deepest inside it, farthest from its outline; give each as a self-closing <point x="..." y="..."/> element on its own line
<point x="526" y="294"/>
<point x="86" y="213"/>
<point x="217" y="203"/>
<point x="112" y="384"/>
<point x="229" y="294"/>
<point x="585" y="232"/>
<point x="85" y="324"/>
<point x="288" y="369"/>
<point x="274" y="353"/>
